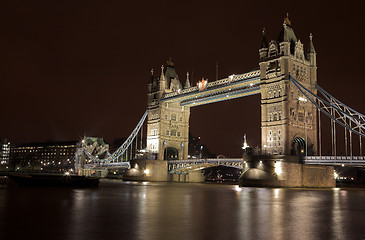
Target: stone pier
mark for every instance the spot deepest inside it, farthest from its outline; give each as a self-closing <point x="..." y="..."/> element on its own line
<point x="156" y="171"/>
<point x="284" y="171"/>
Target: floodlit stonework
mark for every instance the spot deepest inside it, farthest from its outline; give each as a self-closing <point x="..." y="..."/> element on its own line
<point x="288" y="119"/>
<point x="168" y="123"/>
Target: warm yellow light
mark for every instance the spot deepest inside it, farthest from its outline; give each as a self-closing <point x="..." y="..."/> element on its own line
<point x="146" y="171"/>
<point x="335" y="175"/>
<point x="302" y="99"/>
<point x="237" y="188"/>
<point x="278" y="169"/>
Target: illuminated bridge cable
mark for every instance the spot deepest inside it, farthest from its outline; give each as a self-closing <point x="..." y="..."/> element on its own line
<point x="122" y="149"/>
<point x="334" y="109"/>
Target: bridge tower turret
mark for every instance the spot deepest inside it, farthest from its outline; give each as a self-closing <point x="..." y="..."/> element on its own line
<point x="264" y="46"/>
<point x="288" y="119"/>
<point x="168" y="123"/>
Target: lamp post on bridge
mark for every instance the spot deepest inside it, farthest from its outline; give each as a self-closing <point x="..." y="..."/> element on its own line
<point x="245" y="145"/>
<point x="200" y="153"/>
<point x="265" y="150"/>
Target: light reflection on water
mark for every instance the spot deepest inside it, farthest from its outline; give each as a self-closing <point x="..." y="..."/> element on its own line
<point x="130" y="210"/>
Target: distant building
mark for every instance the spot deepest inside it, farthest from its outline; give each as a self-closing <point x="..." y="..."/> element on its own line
<point x="198" y="150"/>
<point x="4" y="152"/>
<point x="194" y="146"/>
<point x="39" y="156"/>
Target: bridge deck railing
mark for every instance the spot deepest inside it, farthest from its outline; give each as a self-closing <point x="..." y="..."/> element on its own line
<point x="204" y="160"/>
<point x="191" y="164"/>
<point x="103" y="165"/>
<point x="335" y="160"/>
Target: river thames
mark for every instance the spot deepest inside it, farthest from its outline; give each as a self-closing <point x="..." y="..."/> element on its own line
<point x="146" y="210"/>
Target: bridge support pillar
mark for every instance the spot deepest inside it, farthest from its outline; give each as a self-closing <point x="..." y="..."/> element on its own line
<point x="284" y="171"/>
<point x="195" y="176"/>
<point x="147" y="170"/>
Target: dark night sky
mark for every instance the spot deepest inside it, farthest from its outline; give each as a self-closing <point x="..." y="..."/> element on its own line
<point x="75" y="68"/>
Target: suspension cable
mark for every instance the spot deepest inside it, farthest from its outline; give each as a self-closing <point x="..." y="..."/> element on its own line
<point x="319" y="131"/>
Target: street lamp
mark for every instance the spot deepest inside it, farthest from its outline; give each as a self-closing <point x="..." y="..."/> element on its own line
<point x="245" y="145"/>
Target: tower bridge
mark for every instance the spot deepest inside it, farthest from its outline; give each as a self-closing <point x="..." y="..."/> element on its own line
<point x="288" y="124"/>
<point x="291" y="105"/>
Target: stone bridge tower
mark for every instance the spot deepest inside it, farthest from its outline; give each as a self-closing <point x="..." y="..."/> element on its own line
<point x="288" y="119"/>
<point x="168" y="123"/>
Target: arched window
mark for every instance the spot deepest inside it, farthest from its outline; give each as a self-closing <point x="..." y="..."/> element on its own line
<point x="171" y="153"/>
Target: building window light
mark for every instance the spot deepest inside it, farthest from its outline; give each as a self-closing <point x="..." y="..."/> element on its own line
<point x="302" y="99"/>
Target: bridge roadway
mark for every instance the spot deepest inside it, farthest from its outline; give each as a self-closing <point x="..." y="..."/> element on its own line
<point x="234" y="86"/>
<point x="184" y="166"/>
<point x="335" y="160"/>
<point x="108" y="165"/>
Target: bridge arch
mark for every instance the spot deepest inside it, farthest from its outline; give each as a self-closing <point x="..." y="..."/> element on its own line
<point x="298" y="146"/>
<point x="171" y="153"/>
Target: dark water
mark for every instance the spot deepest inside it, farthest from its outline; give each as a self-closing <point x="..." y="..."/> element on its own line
<point x="125" y="210"/>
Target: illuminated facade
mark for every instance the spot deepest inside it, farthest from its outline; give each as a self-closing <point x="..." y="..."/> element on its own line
<point x="288" y="120"/>
<point x="4" y="152"/>
<point x="43" y="155"/>
<point x="168" y="123"/>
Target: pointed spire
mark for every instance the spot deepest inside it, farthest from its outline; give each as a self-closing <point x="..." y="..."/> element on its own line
<point x="286" y="20"/>
<point x="162" y="78"/>
<point x="170" y="63"/>
<point x="152" y="78"/>
<point x="264" y="43"/>
<point x="245" y="145"/>
<point x="311" y="46"/>
<point x="187" y="83"/>
<point x="287" y="32"/>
